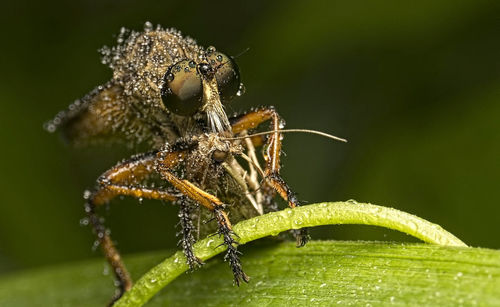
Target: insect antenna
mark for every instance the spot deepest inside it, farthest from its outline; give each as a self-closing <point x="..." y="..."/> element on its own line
<point x="241" y="53"/>
<point x="233" y="57"/>
<point x="333" y="137"/>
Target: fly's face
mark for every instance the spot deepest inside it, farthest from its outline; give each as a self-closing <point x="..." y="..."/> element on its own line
<point x="204" y="85"/>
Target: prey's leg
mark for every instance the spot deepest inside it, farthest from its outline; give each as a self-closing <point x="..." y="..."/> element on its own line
<point x="272" y="157"/>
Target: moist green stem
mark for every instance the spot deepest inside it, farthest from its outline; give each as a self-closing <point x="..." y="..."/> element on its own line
<point x="328" y="213"/>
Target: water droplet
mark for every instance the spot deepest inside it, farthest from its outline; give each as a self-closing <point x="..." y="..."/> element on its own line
<point x="84" y="221"/>
<point x="86" y="194"/>
<point x="50" y="127"/>
<point x="148" y="26"/>
<point x="105" y="270"/>
<point x="241" y="90"/>
<point x="412" y="226"/>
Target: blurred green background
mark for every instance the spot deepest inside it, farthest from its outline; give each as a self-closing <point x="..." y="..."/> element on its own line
<point x="414" y="87"/>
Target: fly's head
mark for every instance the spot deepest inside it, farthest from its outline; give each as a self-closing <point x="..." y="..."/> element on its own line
<point x="202" y="85"/>
<point x="164" y="87"/>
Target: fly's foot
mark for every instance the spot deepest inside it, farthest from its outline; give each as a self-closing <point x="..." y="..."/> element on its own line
<point x="301" y="235"/>
<point x="119" y="291"/>
<point x="192" y="261"/>
<point x="232" y="254"/>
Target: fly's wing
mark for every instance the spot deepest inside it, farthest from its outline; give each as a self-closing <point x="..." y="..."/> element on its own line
<point x="105" y="115"/>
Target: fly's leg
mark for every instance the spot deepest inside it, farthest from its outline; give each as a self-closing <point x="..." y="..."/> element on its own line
<point x="272" y="157"/>
<point x="120" y="180"/>
<point x="123" y="279"/>
<point x="187" y="239"/>
<point x="209" y="201"/>
<point x="124" y="180"/>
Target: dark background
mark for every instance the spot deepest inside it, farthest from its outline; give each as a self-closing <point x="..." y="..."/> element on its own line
<point x="413" y="86"/>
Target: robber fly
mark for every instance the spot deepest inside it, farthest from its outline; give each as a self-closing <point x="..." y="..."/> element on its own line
<point x="169" y="92"/>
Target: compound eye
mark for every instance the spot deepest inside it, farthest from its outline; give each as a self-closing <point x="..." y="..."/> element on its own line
<point x="226" y="73"/>
<point x="182" y="90"/>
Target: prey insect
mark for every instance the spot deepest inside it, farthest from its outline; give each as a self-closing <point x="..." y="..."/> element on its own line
<point x="170" y="93"/>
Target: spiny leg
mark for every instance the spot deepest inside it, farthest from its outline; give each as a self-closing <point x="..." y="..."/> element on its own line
<point x="272" y="157"/>
<point x="210" y="202"/>
<point x="187" y="228"/>
<point x="114" y="182"/>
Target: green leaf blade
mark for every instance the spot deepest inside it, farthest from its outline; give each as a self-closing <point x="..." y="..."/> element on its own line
<point x="326" y="272"/>
<point x="359" y="273"/>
